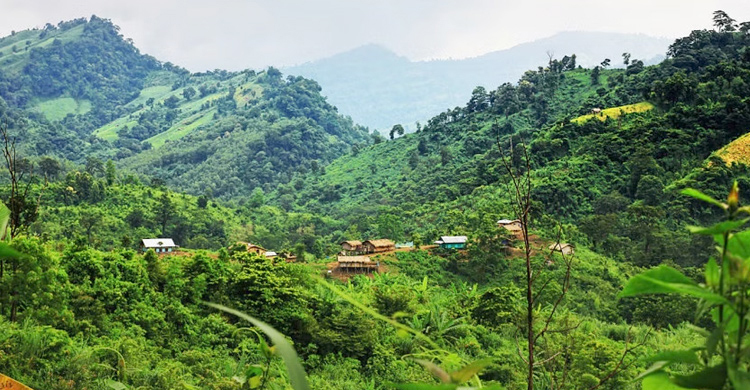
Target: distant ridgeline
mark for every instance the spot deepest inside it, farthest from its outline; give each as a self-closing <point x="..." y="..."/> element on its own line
<point x="80" y="90"/>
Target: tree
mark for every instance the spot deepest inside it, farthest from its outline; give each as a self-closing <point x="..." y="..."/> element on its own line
<point x="23" y="210"/>
<point x="595" y="75"/>
<point x="188" y="93"/>
<point x="164" y="211"/>
<point x="49" y="167"/>
<point x="94" y="166"/>
<point x="397" y="129"/>
<point x="626" y="58"/>
<point x="723" y="22"/>
<point x="171" y="102"/>
<point x="605" y="64"/>
<point x="110" y="172"/>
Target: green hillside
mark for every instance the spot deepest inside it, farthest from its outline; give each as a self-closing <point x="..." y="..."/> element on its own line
<point x="159" y="120"/>
<point x="114" y="147"/>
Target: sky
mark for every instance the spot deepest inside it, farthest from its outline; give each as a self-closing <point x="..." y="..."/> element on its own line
<point x="238" y="34"/>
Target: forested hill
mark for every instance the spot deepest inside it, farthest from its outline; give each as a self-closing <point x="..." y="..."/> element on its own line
<point x="613" y="176"/>
<point x="79" y="90"/>
<point x="379" y="88"/>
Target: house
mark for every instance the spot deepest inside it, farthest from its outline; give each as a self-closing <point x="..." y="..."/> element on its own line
<point x="452" y="242"/>
<point x="159" y="245"/>
<point x="596" y="111"/>
<point x="270" y="254"/>
<point x="352" y="246"/>
<point x="514" y="226"/>
<point x="378" y="246"/>
<point x="257" y="249"/>
<point x="565" y="249"/>
<point x="357" y="264"/>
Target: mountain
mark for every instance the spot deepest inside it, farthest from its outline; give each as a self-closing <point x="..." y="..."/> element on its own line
<point x="614" y="176"/>
<point x="378" y="88"/>
<point x="80" y="91"/>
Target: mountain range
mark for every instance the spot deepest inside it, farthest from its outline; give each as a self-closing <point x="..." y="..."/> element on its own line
<point x="379" y="88"/>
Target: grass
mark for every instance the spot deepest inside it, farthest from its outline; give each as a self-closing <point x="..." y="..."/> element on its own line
<point x="615" y="112"/>
<point x="737" y="151"/>
<point x="57" y="109"/>
<point x="181" y="129"/>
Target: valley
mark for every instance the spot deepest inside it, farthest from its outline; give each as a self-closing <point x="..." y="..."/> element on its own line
<point x="589" y="219"/>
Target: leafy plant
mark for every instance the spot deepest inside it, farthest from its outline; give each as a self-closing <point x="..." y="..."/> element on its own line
<point x="723" y="357"/>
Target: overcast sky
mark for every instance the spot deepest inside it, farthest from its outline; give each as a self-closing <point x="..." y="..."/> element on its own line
<point x="239" y="34"/>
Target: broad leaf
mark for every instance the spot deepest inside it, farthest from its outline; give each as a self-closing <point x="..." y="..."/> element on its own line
<point x="685" y="356"/>
<point x="115" y="385"/>
<point x="719" y="228"/>
<point x="739" y="379"/>
<point x="701" y="196"/>
<point x="466" y="373"/>
<point x="7" y="251"/>
<point x="655" y="368"/>
<point x="297" y="375"/>
<point x="435" y="370"/>
<point x="667" y="280"/>
<point x="712" y="273"/>
<point x="712" y="341"/>
<point x="4" y="221"/>
<point x="712" y="378"/>
<point x="739" y="244"/>
<point x="659" y="381"/>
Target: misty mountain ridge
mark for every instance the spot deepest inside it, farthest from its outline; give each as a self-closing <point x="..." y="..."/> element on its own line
<point x="379" y="88"/>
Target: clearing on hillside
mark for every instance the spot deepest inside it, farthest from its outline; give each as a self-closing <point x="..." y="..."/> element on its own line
<point x="615" y="112"/>
<point x="737" y="151"/>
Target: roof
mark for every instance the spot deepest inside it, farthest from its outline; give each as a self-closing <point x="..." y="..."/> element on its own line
<point x="270" y="254"/>
<point x="251" y="246"/>
<point x="353" y="259"/>
<point x="381" y="243"/>
<point x="507" y="221"/>
<point x="560" y="246"/>
<point x="351" y="242"/>
<point x="158" y="243"/>
<point x="453" y="239"/>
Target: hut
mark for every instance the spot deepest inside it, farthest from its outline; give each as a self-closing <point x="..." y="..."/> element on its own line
<point x="159" y="245"/>
<point x="452" y="242"/>
<point x="378" y="246"/>
<point x="515" y="227"/>
<point x="356" y="264"/>
<point x="351" y="247"/>
<point x="565" y="249"/>
<point x="257" y="249"/>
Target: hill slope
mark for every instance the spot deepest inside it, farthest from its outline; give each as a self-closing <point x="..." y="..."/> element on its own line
<point x="80" y="90"/>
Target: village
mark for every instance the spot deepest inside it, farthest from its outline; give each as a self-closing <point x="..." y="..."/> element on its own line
<point x="357" y="257"/>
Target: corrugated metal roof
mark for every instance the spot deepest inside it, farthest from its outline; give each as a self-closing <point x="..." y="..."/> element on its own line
<point x="270" y="254"/>
<point x="507" y="221"/>
<point x="158" y="243"/>
<point x="453" y="239"/>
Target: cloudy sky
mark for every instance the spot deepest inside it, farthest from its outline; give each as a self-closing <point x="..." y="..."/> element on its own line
<point x="238" y="34"/>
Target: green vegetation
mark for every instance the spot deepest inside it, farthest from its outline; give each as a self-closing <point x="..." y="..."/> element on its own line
<point x="58" y="109"/>
<point x="213" y="159"/>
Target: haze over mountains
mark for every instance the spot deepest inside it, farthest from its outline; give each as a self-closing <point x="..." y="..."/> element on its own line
<point x="379" y="88"/>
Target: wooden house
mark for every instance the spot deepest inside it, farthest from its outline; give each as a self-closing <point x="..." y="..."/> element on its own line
<point x="513" y="226"/>
<point x="352" y="247"/>
<point x="378" y="246"/>
<point x="452" y="242"/>
<point x="357" y="264"/>
<point x="565" y="249"/>
<point x="257" y="249"/>
<point x="159" y="245"/>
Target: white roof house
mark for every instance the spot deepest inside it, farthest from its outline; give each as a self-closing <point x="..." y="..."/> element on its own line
<point x="453" y="239"/>
<point x="158" y="243"/>
<point x="270" y="254"/>
<point x="505" y="221"/>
